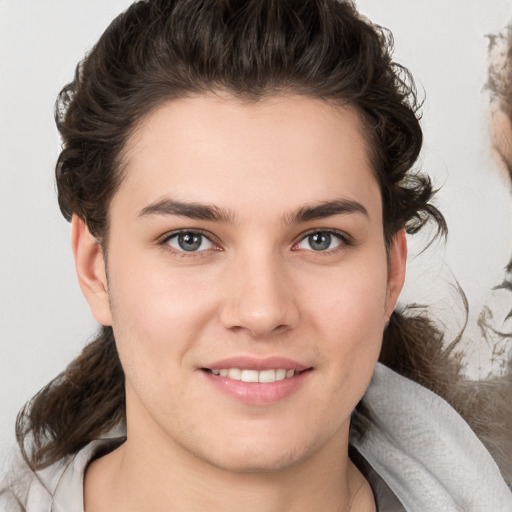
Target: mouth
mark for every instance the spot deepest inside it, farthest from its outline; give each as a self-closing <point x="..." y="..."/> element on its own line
<point x="267" y="376"/>
<point x="255" y="381"/>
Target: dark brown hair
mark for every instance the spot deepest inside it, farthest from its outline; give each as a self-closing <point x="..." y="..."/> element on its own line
<point x="160" y="50"/>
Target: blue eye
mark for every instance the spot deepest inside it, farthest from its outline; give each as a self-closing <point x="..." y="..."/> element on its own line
<point x="189" y="241"/>
<point x="321" y="241"/>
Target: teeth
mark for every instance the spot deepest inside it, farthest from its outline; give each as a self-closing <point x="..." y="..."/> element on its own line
<point x="249" y="376"/>
<point x="263" y="376"/>
<point x="281" y="374"/>
<point x="267" y="376"/>
<point x="234" y="373"/>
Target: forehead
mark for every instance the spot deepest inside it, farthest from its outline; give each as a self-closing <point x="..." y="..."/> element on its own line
<point x="273" y="153"/>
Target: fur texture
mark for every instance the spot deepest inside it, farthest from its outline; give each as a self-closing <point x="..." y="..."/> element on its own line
<point x="416" y="349"/>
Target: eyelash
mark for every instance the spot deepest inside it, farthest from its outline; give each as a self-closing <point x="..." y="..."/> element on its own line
<point x="164" y="242"/>
<point x="345" y="241"/>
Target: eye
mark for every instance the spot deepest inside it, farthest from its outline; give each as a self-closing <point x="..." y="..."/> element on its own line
<point x="321" y="241"/>
<point x="189" y="241"/>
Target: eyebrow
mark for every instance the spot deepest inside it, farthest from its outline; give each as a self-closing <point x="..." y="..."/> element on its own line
<point x="213" y="213"/>
<point x="190" y="210"/>
<point x="327" y="209"/>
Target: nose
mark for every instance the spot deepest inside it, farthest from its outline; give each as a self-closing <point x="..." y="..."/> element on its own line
<point x="261" y="300"/>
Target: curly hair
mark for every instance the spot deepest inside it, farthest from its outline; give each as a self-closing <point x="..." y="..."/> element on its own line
<point x="161" y="50"/>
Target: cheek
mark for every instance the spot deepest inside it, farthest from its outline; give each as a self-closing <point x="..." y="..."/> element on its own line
<point x="158" y="314"/>
<point x="348" y="314"/>
<point x="350" y="299"/>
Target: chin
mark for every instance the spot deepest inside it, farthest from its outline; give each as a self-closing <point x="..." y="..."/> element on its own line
<point x="246" y="456"/>
<point x="248" y="463"/>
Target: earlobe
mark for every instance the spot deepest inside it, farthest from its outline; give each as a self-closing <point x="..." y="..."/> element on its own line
<point x="90" y="269"/>
<point x="396" y="270"/>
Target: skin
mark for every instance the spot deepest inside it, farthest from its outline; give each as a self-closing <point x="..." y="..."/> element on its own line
<point x="258" y="289"/>
<point x="501" y="104"/>
<point x="502" y="135"/>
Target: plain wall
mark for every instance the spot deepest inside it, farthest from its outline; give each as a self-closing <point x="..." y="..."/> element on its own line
<point x="44" y="321"/>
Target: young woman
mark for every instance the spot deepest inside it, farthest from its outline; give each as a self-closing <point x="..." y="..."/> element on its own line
<point x="238" y="179"/>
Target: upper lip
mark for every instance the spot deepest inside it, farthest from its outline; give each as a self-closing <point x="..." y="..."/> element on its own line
<point x="259" y="364"/>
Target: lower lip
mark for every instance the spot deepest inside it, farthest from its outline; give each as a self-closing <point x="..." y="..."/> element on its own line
<point x="256" y="393"/>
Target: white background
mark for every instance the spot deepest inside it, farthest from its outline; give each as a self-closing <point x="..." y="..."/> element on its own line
<point x="44" y="321"/>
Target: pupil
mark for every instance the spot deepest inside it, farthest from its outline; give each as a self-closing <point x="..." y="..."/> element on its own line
<point x="189" y="241"/>
<point x="320" y="241"/>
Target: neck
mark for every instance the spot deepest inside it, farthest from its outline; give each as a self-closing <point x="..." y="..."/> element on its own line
<point x="152" y="471"/>
<point x="137" y="477"/>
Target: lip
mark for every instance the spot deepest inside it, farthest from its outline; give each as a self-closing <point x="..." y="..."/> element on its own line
<point x="254" y="363"/>
<point x="255" y="393"/>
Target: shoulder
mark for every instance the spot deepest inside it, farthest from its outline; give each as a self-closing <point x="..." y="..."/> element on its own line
<point x="33" y="491"/>
<point x="56" y="488"/>
<point x="425" y="452"/>
<point x="9" y="502"/>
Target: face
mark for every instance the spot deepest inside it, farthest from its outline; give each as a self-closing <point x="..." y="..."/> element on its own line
<point x="248" y="280"/>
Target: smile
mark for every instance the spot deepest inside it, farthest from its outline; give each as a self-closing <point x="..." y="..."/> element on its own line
<point x="246" y="375"/>
<point x="257" y="386"/>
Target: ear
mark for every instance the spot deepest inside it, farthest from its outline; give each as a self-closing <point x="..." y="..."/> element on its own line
<point x="90" y="268"/>
<point x="396" y="270"/>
